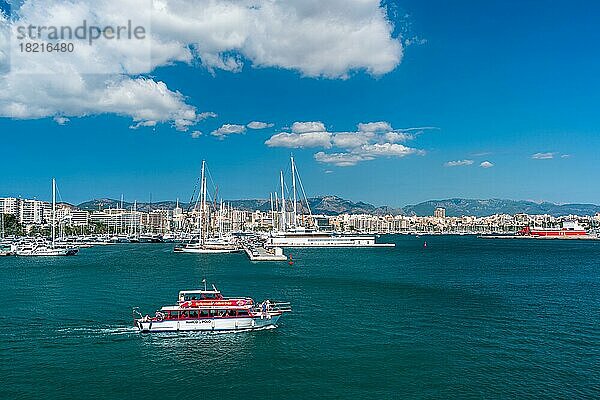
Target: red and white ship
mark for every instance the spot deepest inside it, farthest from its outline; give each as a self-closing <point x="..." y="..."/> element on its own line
<point x="208" y="310"/>
<point x="568" y="229"/>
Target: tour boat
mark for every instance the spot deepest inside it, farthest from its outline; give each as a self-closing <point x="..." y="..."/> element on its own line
<point x="568" y="229"/>
<point x="208" y="311"/>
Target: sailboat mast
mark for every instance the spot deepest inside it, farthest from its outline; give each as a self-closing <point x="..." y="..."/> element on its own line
<point x="221" y="219"/>
<point x="294" y="190"/>
<point x="201" y="217"/>
<point x="53" y="210"/>
<point x="272" y="211"/>
<point x="282" y="202"/>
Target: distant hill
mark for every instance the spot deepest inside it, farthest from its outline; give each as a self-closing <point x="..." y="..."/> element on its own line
<point x="334" y="205"/>
<point x="480" y="208"/>
<point x="101" y="204"/>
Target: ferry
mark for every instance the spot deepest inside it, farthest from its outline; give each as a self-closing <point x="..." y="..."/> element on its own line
<point x="568" y="229"/>
<point x="209" y="311"/>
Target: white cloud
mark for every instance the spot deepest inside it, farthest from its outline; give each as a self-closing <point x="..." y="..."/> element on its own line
<point x="398" y="137"/>
<point x="340" y="159"/>
<point x="61" y="120"/>
<point x="143" y="124"/>
<point x="259" y="125"/>
<point x="318" y="39"/>
<point x="565" y="156"/>
<point x="458" y="163"/>
<point x="228" y="129"/>
<point x="196" y="134"/>
<point x="389" y="150"/>
<point x="304" y="127"/>
<point x="206" y="115"/>
<point x="371" y="140"/>
<point x="543" y="156"/>
<point x="350" y="140"/>
<point x="300" y="140"/>
<point x="486" y="164"/>
<point x="380" y="126"/>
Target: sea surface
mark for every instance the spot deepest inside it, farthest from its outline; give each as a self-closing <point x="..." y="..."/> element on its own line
<point x="461" y="318"/>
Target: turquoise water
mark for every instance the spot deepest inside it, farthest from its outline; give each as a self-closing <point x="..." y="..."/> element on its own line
<point x="462" y="318"/>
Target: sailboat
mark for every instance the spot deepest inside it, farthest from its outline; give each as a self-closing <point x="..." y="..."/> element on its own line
<point x="293" y="233"/>
<point x="45" y="249"/>
<point x="204" y="244"/>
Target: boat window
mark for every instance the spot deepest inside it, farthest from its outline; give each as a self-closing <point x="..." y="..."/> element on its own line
<point x="194" y="314"/>
<point x="213" y="312"/>
<point x="184" y="314"/>
<point x="204" y="314"/>
<point x="242" y="313"/>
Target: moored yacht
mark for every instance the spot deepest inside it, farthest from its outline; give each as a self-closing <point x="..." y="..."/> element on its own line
<point x="301" y="237"/>
<point x="293" y="233"/>
<point x="40" y="249"/>
<point x="202" y="244"/>
<point x="208" y="311"/>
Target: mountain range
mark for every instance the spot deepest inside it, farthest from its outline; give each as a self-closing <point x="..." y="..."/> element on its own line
<point x="334" y="205"/>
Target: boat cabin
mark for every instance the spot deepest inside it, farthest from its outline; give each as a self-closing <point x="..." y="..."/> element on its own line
<point x="189" y="295"/>
<point x="176" y="313"/>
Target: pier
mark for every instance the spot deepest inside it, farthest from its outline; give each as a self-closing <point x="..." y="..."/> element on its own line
<point x="260" y="253"/>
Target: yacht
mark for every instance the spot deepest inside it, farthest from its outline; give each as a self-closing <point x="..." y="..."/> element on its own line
<point x="301" y="237"/>
<point x="202" y="244"/>
<point x="41" y="249"/>
<point x="294" y="234"/>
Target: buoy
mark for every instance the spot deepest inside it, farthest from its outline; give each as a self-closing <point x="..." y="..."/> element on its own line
<point x="425" y="244"/>
<point x="291" y="262"/>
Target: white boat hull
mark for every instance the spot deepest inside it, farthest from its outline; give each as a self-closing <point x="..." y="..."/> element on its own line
<point x="325" y="242"/>
<point x="207" y="324"/>
<point x="200" y="250"/>
<point x="47" y="252"/>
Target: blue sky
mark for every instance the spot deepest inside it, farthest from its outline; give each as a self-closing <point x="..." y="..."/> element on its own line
<point x="498" y="81"/>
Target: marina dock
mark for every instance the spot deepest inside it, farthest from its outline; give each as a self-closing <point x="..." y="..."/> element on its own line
<point x="260" y="253"/>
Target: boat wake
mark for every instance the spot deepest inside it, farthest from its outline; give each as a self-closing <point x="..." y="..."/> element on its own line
<point x="100" y="331"/>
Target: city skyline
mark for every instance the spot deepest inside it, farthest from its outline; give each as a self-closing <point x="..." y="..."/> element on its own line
<point x="463" y="100"/>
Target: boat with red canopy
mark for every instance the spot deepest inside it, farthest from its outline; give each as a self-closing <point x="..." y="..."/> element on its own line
<point x="208" y="310"/>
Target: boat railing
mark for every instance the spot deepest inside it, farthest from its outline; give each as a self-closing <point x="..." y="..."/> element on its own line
<point x="273" y="306"/>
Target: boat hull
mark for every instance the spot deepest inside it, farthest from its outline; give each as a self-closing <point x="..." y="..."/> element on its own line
<point x="201" y="250"/>
<point x="207" y="325"/>
<point x="47" y="253"/>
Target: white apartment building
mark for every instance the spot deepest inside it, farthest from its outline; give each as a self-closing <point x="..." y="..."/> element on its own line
<point x="27" y="211"/>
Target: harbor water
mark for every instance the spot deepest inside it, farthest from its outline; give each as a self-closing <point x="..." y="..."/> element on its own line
<point x="459" y="318"/>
